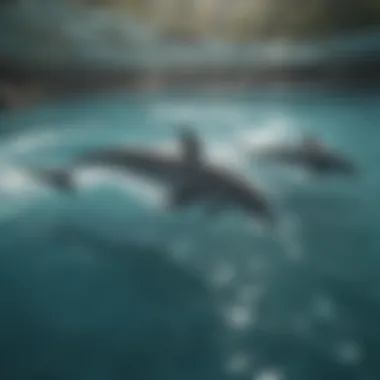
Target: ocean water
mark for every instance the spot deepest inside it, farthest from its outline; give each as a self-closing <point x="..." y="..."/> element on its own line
<point x="104" y="284"/>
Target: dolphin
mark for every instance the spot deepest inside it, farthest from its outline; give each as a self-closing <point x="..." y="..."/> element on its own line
<point x="188" y="175"/>
<point x="54" y="177"/>
<point x="312" y="155"/>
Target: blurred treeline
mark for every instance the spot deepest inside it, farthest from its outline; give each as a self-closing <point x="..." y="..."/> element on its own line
<point x="243" y="20"/>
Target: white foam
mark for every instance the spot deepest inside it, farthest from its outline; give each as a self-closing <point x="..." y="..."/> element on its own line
<point x="224" y="274"/>
<point x="274" y="131"/>
<point x="289" y="236"/>
<point x="27" y="143"/>
<point x="349" y="353"/>
<point x="269" y="374"/>
<point x="239" y="363"/>
<point x="239" y="317"/>
<point x="17" y="192"/>
<point x="142" y="190"/>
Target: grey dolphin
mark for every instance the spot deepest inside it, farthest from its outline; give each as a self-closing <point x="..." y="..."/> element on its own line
<point x="58" y="178"/>
<point x="190" y="177"/>
<point x="313" y="155"/>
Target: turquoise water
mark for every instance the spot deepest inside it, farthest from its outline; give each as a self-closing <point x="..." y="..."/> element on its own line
<point x="106" y="285"/>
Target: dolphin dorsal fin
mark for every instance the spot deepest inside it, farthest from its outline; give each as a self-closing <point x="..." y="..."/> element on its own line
<point x="191" y="145"/>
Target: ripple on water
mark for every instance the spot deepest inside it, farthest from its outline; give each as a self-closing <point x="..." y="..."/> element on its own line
<point x="283" y="311"/>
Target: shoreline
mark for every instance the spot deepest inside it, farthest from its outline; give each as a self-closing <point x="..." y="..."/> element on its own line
<point x="24" y="85"/>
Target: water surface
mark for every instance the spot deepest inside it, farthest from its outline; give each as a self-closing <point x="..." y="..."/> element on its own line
<point x="106" y="285"/>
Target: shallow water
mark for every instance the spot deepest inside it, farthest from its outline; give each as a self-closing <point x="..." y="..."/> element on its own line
<point x="106" y="285"/>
